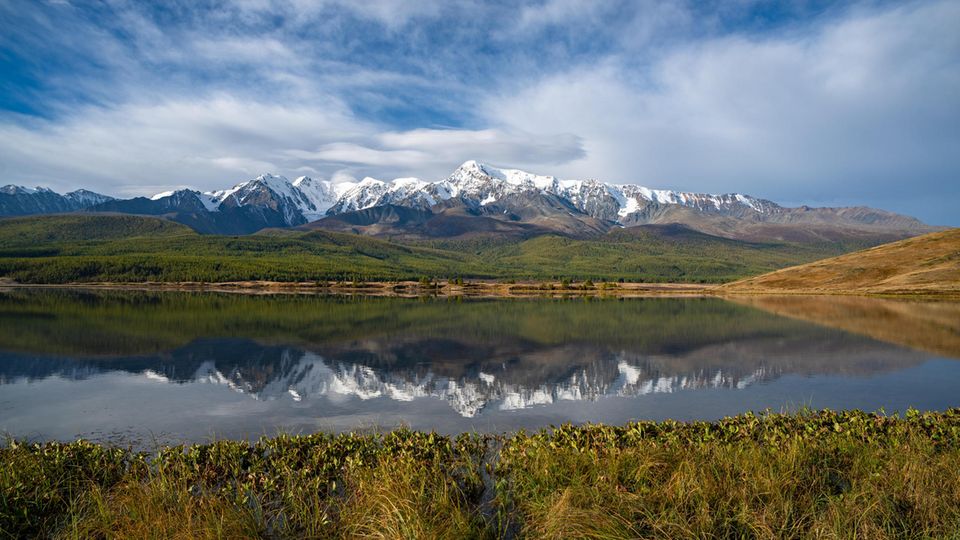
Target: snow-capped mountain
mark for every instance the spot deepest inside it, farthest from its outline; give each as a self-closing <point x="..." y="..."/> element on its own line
<point x="589" y="207"/>
<point x="267" y="191"/>
<point x="472" y="184"/>
<point x="22" y="201"/>
<point x="319" y="194"/>
<point x="303" y="200"/>
<point x="370" y="192"/>
<point x="188" y="197"/>
<point x="502" y="199"/>
<point x="477" y="185"/>
<point x="83" y="198"/>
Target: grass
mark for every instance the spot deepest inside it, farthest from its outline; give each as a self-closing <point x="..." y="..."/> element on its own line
<point x="927" y="264"/>
<point x="812" y="474"/>
<point x="98" y="248"/>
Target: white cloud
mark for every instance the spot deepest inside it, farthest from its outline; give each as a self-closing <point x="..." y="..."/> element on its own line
<point x="136" y="148"/>
<point x="854" y="111"/>
<point x="244" y="50"/>
<point x="857" y="106"/>
<point x="352" y="153"/>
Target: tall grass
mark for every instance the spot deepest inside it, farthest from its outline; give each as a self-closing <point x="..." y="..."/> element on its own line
<point x="815" y="474"/>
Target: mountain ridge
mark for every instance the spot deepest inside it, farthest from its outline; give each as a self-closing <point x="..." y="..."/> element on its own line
<point x="477" y="192"/>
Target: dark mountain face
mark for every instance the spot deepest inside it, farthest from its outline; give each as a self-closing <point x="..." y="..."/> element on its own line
<point x="181" y="201"/>
<point x="383" y="215"/>
<point x="20" y="201"/>
<point x="444" y="221"/>
<point x="187" y="208"/>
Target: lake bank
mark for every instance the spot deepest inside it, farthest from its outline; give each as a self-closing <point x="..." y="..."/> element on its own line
<point x="485" y="289"/>
<point x="404" y="289"/>
<point x="769" y="476"/>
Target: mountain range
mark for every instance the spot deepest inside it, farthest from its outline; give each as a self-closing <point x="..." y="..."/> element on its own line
<point x="21" y="201"/>
<point x="476" y="199"/>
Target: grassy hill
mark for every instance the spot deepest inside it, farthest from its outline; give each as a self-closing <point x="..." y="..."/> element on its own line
<point x="124" y="248"/>
<point x="928" y="264"/>
<point x="651" y="253"/>
<point x="40" y="232"/>
<point x="74" y="248"/>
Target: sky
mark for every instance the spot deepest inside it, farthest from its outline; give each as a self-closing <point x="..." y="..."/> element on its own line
<point x="819" y="103"/>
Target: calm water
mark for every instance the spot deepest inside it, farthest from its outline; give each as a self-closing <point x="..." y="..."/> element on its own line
<point x="160" y="367"/>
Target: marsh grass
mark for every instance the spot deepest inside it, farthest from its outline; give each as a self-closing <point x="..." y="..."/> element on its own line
<point x="808" y="475"/>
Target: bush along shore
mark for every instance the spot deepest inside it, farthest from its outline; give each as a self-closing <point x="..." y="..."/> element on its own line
<point x="810" y="474"/>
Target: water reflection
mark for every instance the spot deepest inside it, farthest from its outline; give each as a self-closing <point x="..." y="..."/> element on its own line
<point x="79" y="362"/>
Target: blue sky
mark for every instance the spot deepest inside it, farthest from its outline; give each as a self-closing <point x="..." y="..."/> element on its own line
<point x="819" y="103"/>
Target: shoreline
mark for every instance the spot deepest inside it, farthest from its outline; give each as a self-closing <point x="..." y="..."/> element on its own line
<point x="402" y="289"/>
<point x="486" y="289"/>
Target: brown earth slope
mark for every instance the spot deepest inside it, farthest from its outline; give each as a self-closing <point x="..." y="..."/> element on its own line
<point x="928" y="264"/>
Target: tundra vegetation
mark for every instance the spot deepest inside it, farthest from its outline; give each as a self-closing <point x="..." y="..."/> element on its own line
<point x="809" y="474"/>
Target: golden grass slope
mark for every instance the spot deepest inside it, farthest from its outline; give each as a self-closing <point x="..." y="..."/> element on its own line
<point x="928" y="264"/>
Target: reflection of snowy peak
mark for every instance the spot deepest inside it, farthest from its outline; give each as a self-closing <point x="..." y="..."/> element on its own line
<point x="311" y="376"/>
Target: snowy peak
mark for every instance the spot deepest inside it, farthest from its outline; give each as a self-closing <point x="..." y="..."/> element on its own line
<point x="188" y="199"/>
<point x="85" y="198"/>
<point x="319" y="196"/>
<point x="513" y="177"/>
<point x="371" y="192"/>
<point x="271" y="192"/>
<point x="11" y="189"/>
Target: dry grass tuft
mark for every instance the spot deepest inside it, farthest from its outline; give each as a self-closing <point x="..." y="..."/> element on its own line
<point x="157" y="509"/>
<point x="405" y="499"/>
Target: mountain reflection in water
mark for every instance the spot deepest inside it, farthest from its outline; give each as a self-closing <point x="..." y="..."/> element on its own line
<point x="509" y="363"/>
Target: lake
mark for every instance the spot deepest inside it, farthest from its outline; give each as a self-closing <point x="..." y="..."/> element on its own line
<point x="144" y="368"/>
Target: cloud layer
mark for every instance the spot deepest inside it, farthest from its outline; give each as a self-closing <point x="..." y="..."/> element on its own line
<point x="807" y="105"/>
